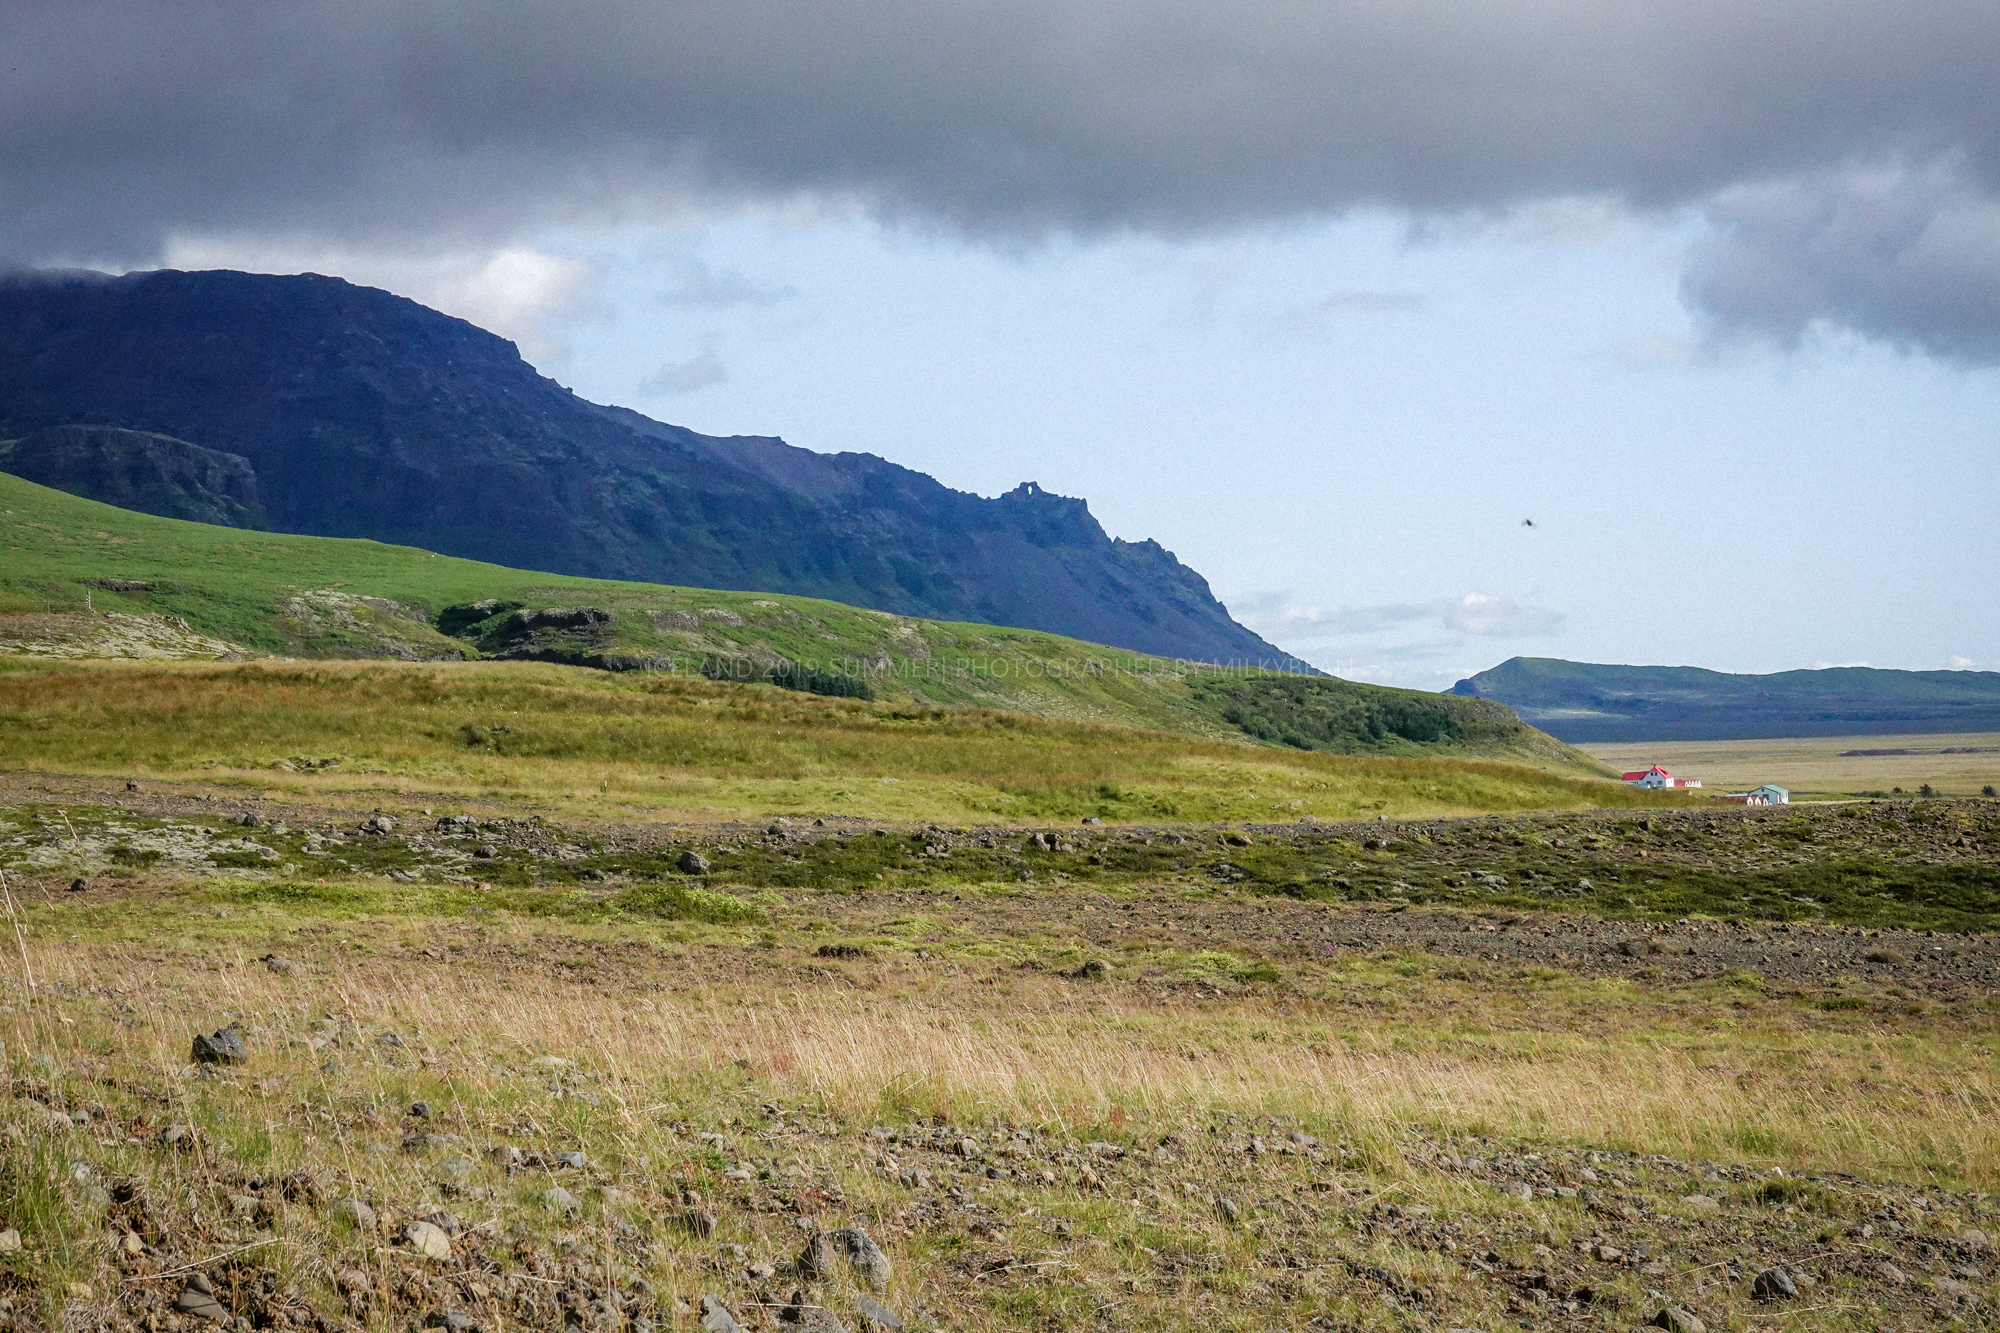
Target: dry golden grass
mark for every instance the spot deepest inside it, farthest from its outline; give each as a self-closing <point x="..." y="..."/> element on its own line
<point x="667" y="1053"/>
<point x="1898" y="1100"/>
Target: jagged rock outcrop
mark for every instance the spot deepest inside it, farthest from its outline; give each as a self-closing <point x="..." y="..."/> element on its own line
<point x="154" y="474"/>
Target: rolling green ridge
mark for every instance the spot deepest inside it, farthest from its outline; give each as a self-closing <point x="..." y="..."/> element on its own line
<point x="1583" y="702"/>
<point x="314" y="597"/>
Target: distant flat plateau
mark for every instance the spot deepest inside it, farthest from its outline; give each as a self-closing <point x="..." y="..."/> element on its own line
<point x="1958" y="764"/>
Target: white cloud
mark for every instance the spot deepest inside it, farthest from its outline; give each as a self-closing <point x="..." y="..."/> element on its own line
<point x="702" y="371"/>
<point x="1473" y="613"/>
<point x="1957" y="662"/>
<point x="696" y="284"/>
<point x="514" y="291"/>
<point x="1320" y="315"/>
<point x="1655" y="352"/>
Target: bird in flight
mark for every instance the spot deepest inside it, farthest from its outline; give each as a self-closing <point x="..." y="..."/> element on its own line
<point x="1527" y="522"/>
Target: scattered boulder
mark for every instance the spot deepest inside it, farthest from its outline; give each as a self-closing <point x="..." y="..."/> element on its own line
<point x="452" y="1321"/>
<point x="699" y="1222"/>
<point x="197" y="1298"/>
<point x="863" y="1255"/>
<point x="284" y="967"/>
<point x="10" y="1241"/>
<point x="225" y="1047"/>
<point x="177" y="1136"/>
<point x="875" y="1318"/>
<point x="715" y="1316"/>
<point x="559" y="1200"/>
<point x="1678" y="1319"/>
<point x="78" y="885"/>
<point x="429" y="1240"/>
<point x="807" y="1317"/>
<point x="356" y="1213"/>
<point x="378" y="824"/>
<point x="816" y="1261"/>
<point x="1774" y="1284"/>
<point x="693" y="863"/>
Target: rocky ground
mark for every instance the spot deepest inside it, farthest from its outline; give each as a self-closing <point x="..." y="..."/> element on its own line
<point x="341" y="1161"/>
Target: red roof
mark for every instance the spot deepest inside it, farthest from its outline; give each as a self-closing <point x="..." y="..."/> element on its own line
<point x="1634" y="777"/>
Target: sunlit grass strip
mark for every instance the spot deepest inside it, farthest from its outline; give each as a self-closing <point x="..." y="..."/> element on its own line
<point x="603" y="744"/>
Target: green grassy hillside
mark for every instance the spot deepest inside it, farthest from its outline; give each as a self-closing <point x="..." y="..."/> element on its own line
<point x="69" y="561"/>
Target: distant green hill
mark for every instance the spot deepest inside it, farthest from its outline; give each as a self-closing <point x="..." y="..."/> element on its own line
<point x="175" y="588"/>
<point x="1581" y="702"/>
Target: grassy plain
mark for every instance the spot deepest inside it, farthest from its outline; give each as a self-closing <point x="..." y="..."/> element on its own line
<point x="1956" y="765"/>
<point x="1165" y="1107"/>
<point x="598" y="745"/>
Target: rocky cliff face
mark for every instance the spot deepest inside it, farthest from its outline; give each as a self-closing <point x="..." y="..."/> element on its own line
<point x="154" y="474"/>
<point x="367" y="415"/>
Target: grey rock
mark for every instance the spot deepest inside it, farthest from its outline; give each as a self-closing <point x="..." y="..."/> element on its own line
<point x="816" y="1261"/>
<point x="559" y="1200"/>
<point x="226" y="1047"/>
<point x="876" y="1318"/>
<point x="1678" y="1319"/>
<point x="451" y="1320"/>
<point x="284" y="967"/>
<point x="807" y="1317"/>
<point x="573" y="1161"/>
<point x="355" y="1212"/>
<point x="715" y="1316"/>
<point x="693" y="863"/>
<point x="429" y="1240"/>
<point x="177" y="1136"/>
<point x="199" y="1301"/>
<point x="1954" y="1289"/>
<point x="10" y="1241"/>
<point x="378" y="824"/>
<point x="456" y="1169"/>
<point x="1230" y="1212"/>
<point x="1774" y="1284"/>
<point x="78" y="885"/>
<point x="420" y="1110"/>
<point x="863" y="1255"/>
<point x="248" y="819"/>
<point x="699" y="1222"/>
<point x="445" y="1222"/>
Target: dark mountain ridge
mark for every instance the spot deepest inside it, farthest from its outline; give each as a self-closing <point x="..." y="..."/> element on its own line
<point x="364" y="414"/>
<point x="1582" y="702"/>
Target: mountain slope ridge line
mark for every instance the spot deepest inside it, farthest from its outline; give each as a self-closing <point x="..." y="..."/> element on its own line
<point x="364" y="414"/>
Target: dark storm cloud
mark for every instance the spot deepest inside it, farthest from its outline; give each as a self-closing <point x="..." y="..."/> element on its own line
<point x="1908" y="256"/>
<point x="123" y="123"/>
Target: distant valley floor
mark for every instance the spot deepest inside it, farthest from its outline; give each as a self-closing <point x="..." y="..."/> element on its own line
<point x="1958" y="765"/>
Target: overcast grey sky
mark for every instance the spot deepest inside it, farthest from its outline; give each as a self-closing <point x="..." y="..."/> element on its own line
<point x="1329" y="298"/>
